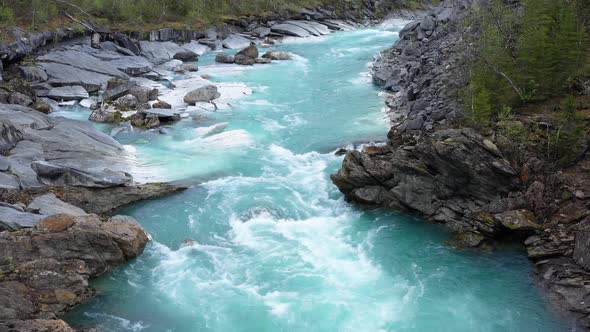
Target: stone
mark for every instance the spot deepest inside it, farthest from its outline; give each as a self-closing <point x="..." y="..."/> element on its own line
<point x="263" y="61"/>
<point x="186" y="56"/>
<point x="260" y="32"/>
<point x="582" y="247"/>
<point x="90" y="103"/>
<point x="250" y="52"/>
<point x="49" y="205"/>
<point x="186" y="67"/>
<point x="126" y="42"/>
<point x="141" y="120"/>
<point x="243" y="60"/>
<point x="18" y="98"/>
<point x="276" y="55"/>
<point x="64" y="75"/>
<point x="128" y="234"/>
<point x="116" y="88"/>
<point x="133" y="65"/>
<point x="159" y="52"/>
<point x="66" y="93"/>
<point x="102" y="115"/>
<point x="202" y="94"/>
<point x="224" y="58"/>
<point x="35" y="325"/>
<point x="290" y="29"/>
<point x="33" y="73"/>
<point x="143" y="94"/>
<point x="214" y="44"/>
<point x="234" y="41"/>
<point x="197" y="48"/>
<point x="42" y="107"/>
<point x="162" y="104"/>
<point x="518" y="220"/>
<point x="83" y="61"/>
<point x="126" y="102"/>
<point x="12" y="219"/>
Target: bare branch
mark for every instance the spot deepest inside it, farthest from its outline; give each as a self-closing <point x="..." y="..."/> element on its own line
<point x="73" y="5"/>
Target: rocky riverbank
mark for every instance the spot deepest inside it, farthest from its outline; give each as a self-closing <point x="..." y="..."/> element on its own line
<point x="485" y="186"/>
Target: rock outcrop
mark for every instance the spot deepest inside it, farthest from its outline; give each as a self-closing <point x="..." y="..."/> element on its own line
<point x="44" y="271"/>
<point x="484" y="188"/>
<point x="42" y="150"/>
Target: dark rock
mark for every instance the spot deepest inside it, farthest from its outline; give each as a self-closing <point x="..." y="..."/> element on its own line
<point x="582" y="247"/>
<point x="518" y="220"/>
<point x="126" y="102"/>
<point x="102" y="115"/>
<point x="116" y="88"/>
<point x="262" y="61"/>
<point x="42" y="107"/>
<point x="35" y="325"/>
<point x="243" y="60"/>
<point x="186" y="56"/>
<point x="250" y="52"/>
<point x="224" y="58"/>
<point x="126" y="42"/>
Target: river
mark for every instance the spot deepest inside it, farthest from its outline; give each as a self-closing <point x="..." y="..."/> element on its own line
<point x="273" y="245"/>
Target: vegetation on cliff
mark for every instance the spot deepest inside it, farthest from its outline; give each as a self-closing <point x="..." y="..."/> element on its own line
<point x="33" y="14"/>
<point x="531" y="57"/>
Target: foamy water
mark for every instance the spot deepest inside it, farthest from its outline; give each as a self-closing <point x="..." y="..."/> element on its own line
<point x="263" y="241"/>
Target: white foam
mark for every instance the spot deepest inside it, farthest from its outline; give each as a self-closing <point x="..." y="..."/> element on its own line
<point x="229" y="139"/>
<point x="121" y="322"/>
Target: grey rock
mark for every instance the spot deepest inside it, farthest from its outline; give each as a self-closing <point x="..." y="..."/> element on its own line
<point x="202" y="94"/>
<point x="50" y="205"/>
<point x="224" y="58"/>
<point x="260" y="32"/>
<point x="64" y="75"/>
<point x="290" y="29"/>
<point x="127" y="101"/>
<point x="18" y="98"/>
<point x="84" y="61"/>
<point x="197" y="48"/>
<point x="33" y="74"/>
<point x="12" y="219"/>
<point x="213" y="44"/>
<point x="186" y="56"/>
<point x="276" y="55"/>
<point x="57" y="151"/>
<point x="234" y="41"/>
<point x="133" y="65"/>
<point x="68" y="93"/>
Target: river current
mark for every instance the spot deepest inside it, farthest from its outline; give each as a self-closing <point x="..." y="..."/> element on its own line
<point x="272" y="245"/>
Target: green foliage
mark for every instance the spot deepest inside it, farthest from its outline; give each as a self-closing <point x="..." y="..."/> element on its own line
<point x="36" y="13"/>
<point x="567" y="144"/>
<point x="526" y="57"/>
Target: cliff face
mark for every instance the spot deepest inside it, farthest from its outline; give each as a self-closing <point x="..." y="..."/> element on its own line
<point x="484" y="188"/>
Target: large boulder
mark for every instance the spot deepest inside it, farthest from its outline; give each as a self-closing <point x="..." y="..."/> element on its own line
<point x="224" y="58"/>
<point x="202" y="94"/>
<point x="244" y="60"/>
<point x="234" y="41"/>
<point x="127" y="102"/>
<point x="45" y="270"/>
<point x="197" y="48"/>
<point x="12" y="218"/>
<point x="186" y="56"/>
<point x="45" y="150"/>
<point x="250" y="52"/>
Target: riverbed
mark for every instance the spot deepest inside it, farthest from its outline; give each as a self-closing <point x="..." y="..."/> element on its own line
<point x="262" y="241"/>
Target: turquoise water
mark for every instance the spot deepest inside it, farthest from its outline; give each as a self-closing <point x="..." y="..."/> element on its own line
<point x="275" y="247"/>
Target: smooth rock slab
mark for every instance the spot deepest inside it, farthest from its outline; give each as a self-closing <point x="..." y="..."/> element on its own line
<point x="68" y="93"/>
<point x="236" y="42"/>
<point x="49" y="205"/>
<point x="133" y="65"/>
<point x="290" y="29"/>
<point x="194" y="46"/>
<point x="84" y="61"/>
<point x="12" y="219"/>
<point x="60" y="75"/>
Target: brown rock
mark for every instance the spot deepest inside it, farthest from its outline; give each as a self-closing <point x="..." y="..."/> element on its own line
<point x="57" y="223"/>
<point x="35" y="325"/>
<point x="249" y="52"/>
